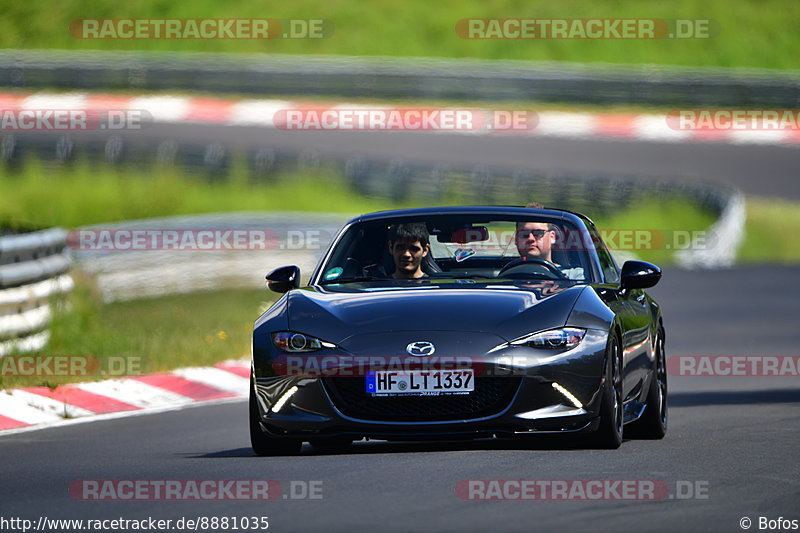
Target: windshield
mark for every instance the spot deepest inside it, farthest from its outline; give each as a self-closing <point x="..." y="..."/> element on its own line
<point x="445" y="249"/>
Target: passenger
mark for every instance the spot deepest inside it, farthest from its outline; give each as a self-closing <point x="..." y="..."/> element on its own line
<point x="409" y="244"/>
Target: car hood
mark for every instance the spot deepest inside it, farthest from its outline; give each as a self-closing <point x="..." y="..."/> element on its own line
<point x="505" y="313"/>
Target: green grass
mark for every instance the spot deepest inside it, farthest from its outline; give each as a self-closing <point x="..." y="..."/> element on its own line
<point x="664" y="221"/>
<point x="43" y="194"/>
<point x="151" y="335"/>
<point x="772" y="232"/>
<point x="751" y="33"/>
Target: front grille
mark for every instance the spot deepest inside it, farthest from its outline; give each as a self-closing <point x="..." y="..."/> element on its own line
<point x="491" y="395"/>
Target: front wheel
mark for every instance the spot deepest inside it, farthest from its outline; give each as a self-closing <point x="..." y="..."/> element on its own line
<point x="653" y="422"/>
<point x="609" y="434"/>
<point x="263" y="444"/>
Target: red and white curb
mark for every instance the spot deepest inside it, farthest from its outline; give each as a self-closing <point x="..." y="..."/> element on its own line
<point x="178" y="109"/>
<point x="37" y="407"/>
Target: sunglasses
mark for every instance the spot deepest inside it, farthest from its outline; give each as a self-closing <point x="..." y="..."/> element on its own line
<point x="537" y="233"/>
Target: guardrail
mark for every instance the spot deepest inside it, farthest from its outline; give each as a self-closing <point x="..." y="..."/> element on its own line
<point x="388" y="77"/>
<point x="300" y="239"/>
<point x="33" y="269"/>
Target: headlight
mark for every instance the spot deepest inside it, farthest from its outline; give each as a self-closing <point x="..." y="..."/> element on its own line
<point x="289" y="341"/>
<point x="553" y="339"/>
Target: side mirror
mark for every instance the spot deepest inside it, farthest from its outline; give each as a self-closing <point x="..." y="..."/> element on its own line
<point x="639" y="275"/>
<point x="284" y="279"/>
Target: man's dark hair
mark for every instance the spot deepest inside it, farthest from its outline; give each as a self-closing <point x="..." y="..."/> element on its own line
<point x="416" y="231"/>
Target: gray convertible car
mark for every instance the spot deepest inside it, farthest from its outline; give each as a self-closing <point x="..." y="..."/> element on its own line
<point x="460" y="322"/>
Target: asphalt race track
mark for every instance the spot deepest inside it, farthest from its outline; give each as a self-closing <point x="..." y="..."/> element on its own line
<point x="733" y="441"/>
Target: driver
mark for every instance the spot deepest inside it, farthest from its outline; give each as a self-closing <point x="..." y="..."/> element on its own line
<point x="535" y="240"/>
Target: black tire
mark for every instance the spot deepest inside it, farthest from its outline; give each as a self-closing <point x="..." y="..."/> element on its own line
<point x="653" y="422"/>
<point x="609" y="435"/>
<point x="264" y="444"/>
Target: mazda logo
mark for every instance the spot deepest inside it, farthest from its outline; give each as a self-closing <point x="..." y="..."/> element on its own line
<point x="421" y="348"/>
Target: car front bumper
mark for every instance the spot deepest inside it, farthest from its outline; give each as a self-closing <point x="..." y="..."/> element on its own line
<point x="518" y="391"/>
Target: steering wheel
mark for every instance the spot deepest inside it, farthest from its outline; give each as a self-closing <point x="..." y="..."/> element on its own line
<point x="522" y="262"/>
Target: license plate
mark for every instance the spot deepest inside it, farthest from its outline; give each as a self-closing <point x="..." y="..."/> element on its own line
<point x="420" y="382"/>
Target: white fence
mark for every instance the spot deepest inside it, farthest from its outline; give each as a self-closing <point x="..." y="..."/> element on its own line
<point x="33" y="270"/>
